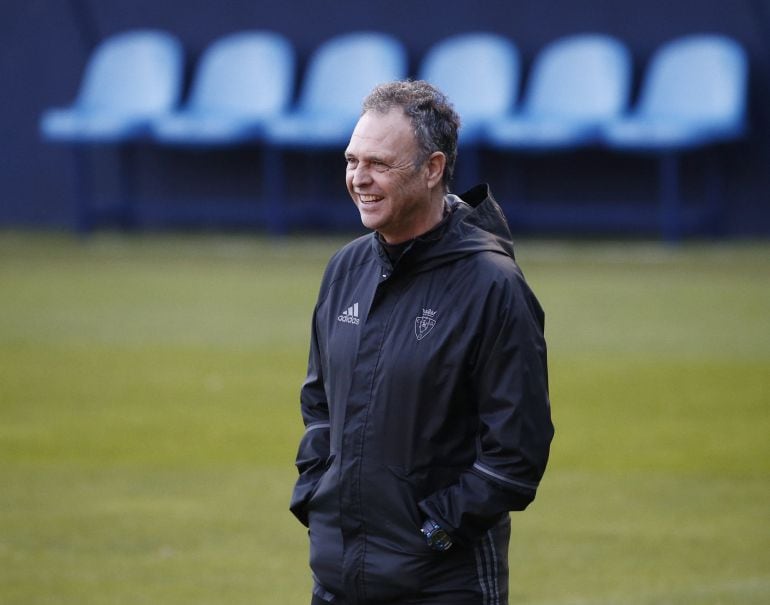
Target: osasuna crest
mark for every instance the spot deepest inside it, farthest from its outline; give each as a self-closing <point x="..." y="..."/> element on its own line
<point x="424" y="324"/>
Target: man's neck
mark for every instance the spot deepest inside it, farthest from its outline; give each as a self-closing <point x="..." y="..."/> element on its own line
<point x="394" y="251"/>
<point x="439" y="209"/>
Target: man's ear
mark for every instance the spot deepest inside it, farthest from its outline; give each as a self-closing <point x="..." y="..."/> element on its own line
<point x="435" y="165"/>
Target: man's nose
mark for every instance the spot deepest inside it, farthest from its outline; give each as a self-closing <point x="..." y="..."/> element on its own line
<point x="361" y="174"/>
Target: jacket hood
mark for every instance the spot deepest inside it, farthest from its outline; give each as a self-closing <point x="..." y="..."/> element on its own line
<point x="476" y="224"/>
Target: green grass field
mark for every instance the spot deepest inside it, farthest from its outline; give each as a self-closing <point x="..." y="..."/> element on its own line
<point x="149" y="420"/>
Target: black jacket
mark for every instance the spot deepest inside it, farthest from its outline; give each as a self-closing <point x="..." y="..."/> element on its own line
<point x="426" y="396"/>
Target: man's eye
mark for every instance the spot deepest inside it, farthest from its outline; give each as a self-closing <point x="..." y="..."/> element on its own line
<point x="351" y="163"/>
<point x="380" y="166"/>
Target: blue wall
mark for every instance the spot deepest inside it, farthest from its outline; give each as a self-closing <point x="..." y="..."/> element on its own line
<point x="44" y="45"/>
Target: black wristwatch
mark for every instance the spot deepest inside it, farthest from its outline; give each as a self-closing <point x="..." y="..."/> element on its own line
<point x="435" y="536"/>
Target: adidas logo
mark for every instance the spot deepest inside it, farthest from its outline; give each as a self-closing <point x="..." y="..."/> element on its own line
<point x="350" y="315"/>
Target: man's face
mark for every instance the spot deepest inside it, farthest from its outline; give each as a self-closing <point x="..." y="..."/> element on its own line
<point x="392" y="195"/>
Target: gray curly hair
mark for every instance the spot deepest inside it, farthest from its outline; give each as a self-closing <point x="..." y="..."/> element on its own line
<point x="435" y="121"/>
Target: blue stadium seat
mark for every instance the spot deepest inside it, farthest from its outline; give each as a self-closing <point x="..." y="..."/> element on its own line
<point x="242" y="80"/>
<point x="693" y="95"/>
<point x="480" y="73"/>
<point x="576" y="84"/>
<point x="130" y="79"/>
<point x="340" y="73"/>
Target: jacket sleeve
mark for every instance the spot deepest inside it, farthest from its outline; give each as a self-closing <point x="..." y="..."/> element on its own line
<point x="314" y="447"/>
<point x="510" y="381"/>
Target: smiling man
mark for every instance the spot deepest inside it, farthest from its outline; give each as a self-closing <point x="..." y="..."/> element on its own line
<point x="399" y="192"/>
<point x="426" y="407"/>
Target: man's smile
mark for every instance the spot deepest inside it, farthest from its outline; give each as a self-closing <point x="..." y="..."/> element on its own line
<point x="369" y="198"/>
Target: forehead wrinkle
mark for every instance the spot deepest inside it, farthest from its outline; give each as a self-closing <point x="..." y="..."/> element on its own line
<point x="371" y="141"/>
<point x="382" y="127"/>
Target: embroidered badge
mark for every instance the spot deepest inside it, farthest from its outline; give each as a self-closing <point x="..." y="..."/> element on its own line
<point x="424" y="324"/>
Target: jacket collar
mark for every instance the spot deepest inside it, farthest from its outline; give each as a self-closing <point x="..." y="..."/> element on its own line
<point x="475" y="223"/>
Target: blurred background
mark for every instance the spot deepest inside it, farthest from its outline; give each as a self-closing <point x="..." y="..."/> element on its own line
<point x="598" y="182"/>
<point x="166" y="212"/>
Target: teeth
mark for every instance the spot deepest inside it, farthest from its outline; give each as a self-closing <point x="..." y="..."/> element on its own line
<point x="369" y="198"/>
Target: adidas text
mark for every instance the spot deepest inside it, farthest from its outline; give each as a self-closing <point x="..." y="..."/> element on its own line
<point x="350" y="315"/>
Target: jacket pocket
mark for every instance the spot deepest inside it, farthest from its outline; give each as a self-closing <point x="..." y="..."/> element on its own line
<point x="324" y="530"/>
<point x="322" y="478"/>
<point x="427" y="480"/>
<point x="304" y="492"/>
<point x="392" y="518"/>
<point x="400" y="502"/>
